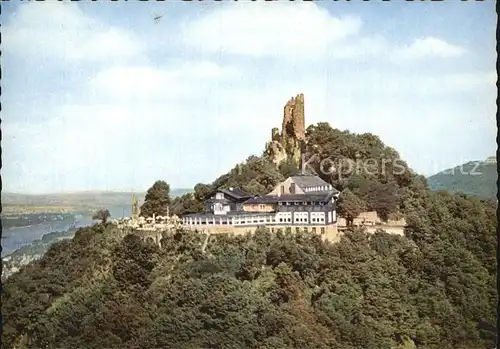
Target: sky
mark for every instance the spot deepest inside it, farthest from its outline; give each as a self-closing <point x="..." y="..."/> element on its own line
<point x="100" y="96"/>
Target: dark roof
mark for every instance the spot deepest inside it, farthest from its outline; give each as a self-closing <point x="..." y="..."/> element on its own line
<point x="309" y="181"/>
<point x="222" y="201"/>
<point x="229" y="214"/>
<point x="313" y="196"/>
<point x="236" y="193"/>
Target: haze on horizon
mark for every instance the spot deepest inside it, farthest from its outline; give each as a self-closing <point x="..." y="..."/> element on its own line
<point x="111" y="99"/>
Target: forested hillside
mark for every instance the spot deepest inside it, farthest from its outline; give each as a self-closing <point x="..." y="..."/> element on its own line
<point x="473" y="178"/>
<point x="434" y="288"/>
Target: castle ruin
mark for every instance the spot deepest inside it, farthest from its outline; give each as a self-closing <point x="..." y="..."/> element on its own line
<point x="289" y="144"/>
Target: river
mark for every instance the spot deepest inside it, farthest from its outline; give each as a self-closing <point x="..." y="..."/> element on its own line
<point x="15" y="238"/>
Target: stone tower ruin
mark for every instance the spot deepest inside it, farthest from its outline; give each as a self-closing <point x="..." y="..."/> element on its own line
<point x="289" y="144"/>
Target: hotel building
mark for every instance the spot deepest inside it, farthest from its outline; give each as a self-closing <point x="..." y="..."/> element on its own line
<point x="298" y="203"/>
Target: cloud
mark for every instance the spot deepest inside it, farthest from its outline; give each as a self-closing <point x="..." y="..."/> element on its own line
<point x="303" y="31"/>
<point x="269" y="29"/>
<point x="141" y="83"/>
<point x="63" y="31"/>
<point x="189" y="113"/>
<point x="429" y="47"/>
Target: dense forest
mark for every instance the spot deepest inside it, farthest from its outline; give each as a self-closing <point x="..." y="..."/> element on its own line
<point x="434" y="288"/>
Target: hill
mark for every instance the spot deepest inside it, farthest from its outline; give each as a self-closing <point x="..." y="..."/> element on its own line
<point x="434" y="288"/>
<point x="477" y="178"/>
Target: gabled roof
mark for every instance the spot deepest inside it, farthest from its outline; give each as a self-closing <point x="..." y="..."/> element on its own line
<point x="236" y="193"/>
<point x="309" y="181"/>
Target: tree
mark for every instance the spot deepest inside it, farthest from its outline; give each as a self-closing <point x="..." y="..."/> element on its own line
<point x="102" y="215"/>
<point x="383" y="198"/>
<point x="350" y="206"/>
<point x="185" y="204"/>
<point x="255" y="188"/>
<point x="202" y="192"/>
<point x="157" y="200"/>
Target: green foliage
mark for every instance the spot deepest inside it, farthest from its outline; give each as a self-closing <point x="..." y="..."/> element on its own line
<point x="256" y="176"/>
<point x="431" y="289"/>
<point x="350" y="206"/>
<point x="157" y="200"/>
<point x="186" y="204"/>
<point x="102" y="215"/>
<point x="473" y="178"/>
<point x="373" y="171"/>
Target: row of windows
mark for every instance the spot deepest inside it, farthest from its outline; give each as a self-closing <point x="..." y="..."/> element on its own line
<point x="318" y="220"/>
<point x="297" y="230"/>
<point x="319" y="188"/>
<point x="254" y="221"/>
<point x="303" y="203"/>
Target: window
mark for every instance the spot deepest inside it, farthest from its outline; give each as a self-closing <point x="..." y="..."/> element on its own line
<point x="282" y="189"/>
<point x="281" y="219"/>
<point x="296" y="203"/>
<point x="322" y="230"/>
<point x="297" y="230"/>
<point x="289" y="219"/>
<point x="292" y="188"/>
<point x="313" y="219"/>
<point x="314" y="230"/>
<point x="306" y="230"/>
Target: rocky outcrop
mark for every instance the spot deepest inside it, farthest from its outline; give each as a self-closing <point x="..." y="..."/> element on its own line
<point x="289" y="144"/>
